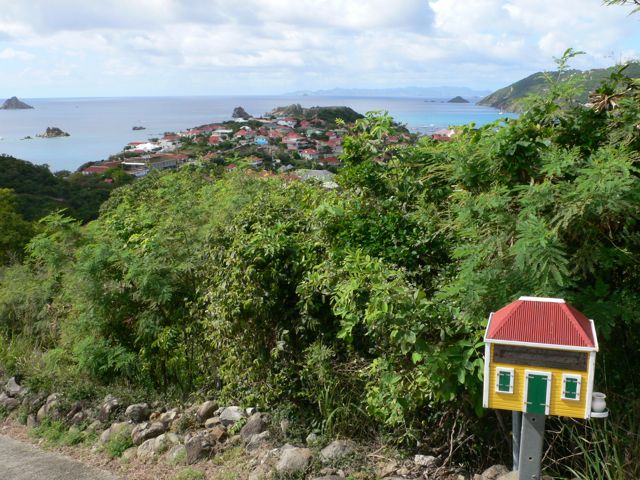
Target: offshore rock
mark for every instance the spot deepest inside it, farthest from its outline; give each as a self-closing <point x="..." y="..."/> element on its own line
<point x="240" y="112"/>
<point x="14" y="104"/>
<point x="53" y="132"/>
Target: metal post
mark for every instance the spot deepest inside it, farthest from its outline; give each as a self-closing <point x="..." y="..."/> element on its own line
<point x="516" y="428"/>
<point x="531" y="446"/>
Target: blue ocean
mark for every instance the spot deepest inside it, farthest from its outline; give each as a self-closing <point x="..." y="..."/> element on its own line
<point x="100" y="127"/>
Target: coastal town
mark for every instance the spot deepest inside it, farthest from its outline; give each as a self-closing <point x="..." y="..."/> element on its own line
<point x="306" y="142"/>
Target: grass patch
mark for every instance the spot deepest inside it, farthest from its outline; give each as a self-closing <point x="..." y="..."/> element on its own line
<point x="189" y="474"/>
<point x="56" y="433"/>
<point x="4" y="413"/>
<point x="229" y="455"/>
<point x="179" y="458"/>
<point x="118" y="443"/>
<point x="236" y="427"/>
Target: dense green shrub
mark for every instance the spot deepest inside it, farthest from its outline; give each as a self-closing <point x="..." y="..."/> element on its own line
<point x="362" y="306"/>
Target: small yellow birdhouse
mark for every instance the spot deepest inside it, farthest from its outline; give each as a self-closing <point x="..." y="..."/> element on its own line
<point x="540" y="356"/>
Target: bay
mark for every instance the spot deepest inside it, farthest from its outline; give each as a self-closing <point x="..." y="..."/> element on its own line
<point x="100" y="127"/>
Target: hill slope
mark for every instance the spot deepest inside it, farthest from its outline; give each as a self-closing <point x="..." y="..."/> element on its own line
<point x="40" y="192"/>
<point x="507" y="98"/>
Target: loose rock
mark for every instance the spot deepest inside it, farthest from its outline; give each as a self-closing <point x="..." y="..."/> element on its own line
<point x="9" y="403"/>
<point x="146" y="450"/>
<point x="32" y="421"/>
<point x="312" y="439"/>
<point x="50" y="408"/>
<point x="506" y="476"/>
<point x="13" y="389"/>
<point x="425" y="460"/>
<point x="493" y="472"/>
<point x="119" y="428"/>
<point x="153" y="447"/>
<point x="218" y="433"/>
<point x="294" y="460"/>
<point x="129" y="454"/>
<point x="138" y="412"/>
<point x="78" y="418"/>
<point x="169" y="417"/>
<point x="176" y="455"/>
<point x="231" y="415"/>
<point x="336" y="450"/>
<point x="387" y="469"/>
<point x="206" y="410"/>
<point x="110" y="406"/>
<point x="212" y="422"/>
<point x="147" y="430"/>
<point x="257" y="423"/>
<point x="257" y="441"/>
<point x="199" y="446"/>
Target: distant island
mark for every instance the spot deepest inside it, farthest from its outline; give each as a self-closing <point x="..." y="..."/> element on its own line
<point x="14" y="104"/>
<point x="458" y="99"/>
<point x="53" y="132"/>
<point x="325" y="114"/>
<point x="507" y="98"/>
<point x="240" y="112"/>
<point x="401" y="92"/>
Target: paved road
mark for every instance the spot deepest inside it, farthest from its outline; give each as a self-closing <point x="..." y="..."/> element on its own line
<point x="19" y="461"/>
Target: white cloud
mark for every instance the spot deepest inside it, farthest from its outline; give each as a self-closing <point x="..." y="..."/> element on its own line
<point x="308" y="43"/>
<point x="12" y="54"/>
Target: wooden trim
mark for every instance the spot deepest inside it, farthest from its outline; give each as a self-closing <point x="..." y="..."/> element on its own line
<point x="542" y="299"/>
<point x="593" y="333"/>
<point x="551" y="346"/>
<point x="538" y="357"/>
<point x="511" y="373"/>
<point x="578" y="378"/>
<point x="487" y="375"/>
<point x="590" y="375"/>
<point x="486" y="332"/>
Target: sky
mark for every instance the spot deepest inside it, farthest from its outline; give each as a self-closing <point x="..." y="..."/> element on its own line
<point x="71" y="48"/>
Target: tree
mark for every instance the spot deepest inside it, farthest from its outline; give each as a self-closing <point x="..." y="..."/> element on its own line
<point x="15" y="231"/>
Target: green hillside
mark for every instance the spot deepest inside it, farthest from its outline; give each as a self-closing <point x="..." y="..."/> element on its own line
<point x="39" y="192"/>
<point x="507" y="98"/>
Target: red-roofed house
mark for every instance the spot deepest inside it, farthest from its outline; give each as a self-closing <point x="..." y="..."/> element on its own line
<point x="309" y="153"/>
<point x="540" y="358"/>
<point x="95" y="169"/>
<point x="243" y="133"/>
<point x="288" y="122"/>
<point x="330" y="161"/>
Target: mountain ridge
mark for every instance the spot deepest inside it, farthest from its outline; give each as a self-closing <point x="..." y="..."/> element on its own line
<point x="507" y="98"/>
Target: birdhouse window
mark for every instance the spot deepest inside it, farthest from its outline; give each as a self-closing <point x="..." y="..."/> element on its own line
<point x="504" y="380"/>
<point x="571" y="387"/>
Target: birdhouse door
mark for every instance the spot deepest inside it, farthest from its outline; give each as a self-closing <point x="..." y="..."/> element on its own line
<point x="537" y="392"/>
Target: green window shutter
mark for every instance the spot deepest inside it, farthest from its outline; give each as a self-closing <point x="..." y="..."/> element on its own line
<point x="505" y="381"/>
<point x="571" y="388"/>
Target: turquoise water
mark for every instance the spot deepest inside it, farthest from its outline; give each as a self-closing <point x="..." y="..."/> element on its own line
<point x="100" y="127"/>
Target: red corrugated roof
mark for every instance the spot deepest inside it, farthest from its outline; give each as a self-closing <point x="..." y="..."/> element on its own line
<point x="546" y="321"/>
